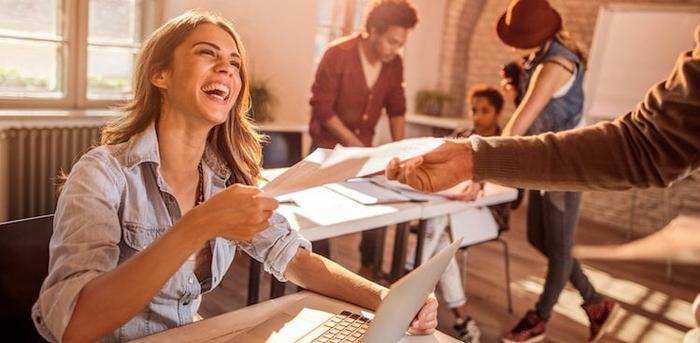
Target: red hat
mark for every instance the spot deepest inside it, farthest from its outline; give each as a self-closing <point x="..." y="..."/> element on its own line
<point x="527" y="24"/>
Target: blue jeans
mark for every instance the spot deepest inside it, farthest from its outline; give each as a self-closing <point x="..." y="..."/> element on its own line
<point x="551" y="225"/>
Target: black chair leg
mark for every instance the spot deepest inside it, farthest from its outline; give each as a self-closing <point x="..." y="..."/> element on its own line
<point x="276" y="288"/>
<point x="254" y="282"/>
<point x="420" y="241"/>
<point x="398" y="261"/>
<point x="506" y="257"/>
<point x="378" y="253"/>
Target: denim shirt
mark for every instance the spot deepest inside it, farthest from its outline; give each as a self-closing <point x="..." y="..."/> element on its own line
<point x="561" y="113"/>
<point x="114" y="204"/>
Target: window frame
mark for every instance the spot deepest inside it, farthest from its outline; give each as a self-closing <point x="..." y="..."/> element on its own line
<point x="345" y="25"/>
<point x="73" y="21"/>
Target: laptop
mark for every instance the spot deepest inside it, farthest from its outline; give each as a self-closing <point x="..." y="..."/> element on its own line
<point x="389" y="324"/>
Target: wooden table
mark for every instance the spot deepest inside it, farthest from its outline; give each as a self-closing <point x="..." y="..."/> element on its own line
<point x="225" y="327"/>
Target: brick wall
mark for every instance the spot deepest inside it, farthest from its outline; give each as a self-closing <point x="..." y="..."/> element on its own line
<point x="461" y="17"/>
<point x="472" y="53"/>
<point x="640" y="212"/>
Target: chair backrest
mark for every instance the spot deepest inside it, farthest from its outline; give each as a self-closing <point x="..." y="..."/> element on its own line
<point x="24" y="260"/>
<point x="283" y="149"/>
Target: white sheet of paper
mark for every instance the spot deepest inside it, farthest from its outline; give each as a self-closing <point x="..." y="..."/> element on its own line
<point x="325" y="166"/>
<point x="475" y="225"/>
<point x="379" y="157"/>
<point x="323" y="206"/>
<point x="308" y="173"/>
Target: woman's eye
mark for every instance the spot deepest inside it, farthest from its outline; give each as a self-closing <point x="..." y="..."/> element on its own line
<point x="207" y="52"/>
<point x="235" y="64"/>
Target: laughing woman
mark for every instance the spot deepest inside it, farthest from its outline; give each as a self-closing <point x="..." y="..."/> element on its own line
<point x="151" y="219"/>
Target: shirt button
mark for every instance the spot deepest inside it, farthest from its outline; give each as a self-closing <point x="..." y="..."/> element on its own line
<point x="190" y="280"/>
<point x="365" y="117"/>
<point x="357" y="131"/>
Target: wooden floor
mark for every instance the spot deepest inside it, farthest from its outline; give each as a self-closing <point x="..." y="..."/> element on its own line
<point x="655" y="309"/>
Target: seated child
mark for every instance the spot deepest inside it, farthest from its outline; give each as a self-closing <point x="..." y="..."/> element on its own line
<point x="486" y="105"/>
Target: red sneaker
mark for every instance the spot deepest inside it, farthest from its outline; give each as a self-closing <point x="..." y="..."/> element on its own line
<point x="530" y="329"/>
<point x="600" y="316"/>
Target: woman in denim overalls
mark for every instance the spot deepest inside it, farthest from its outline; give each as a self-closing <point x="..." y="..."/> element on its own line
<point x="551" y="83"/>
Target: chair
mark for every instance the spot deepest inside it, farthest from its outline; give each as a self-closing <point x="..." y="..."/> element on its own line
<point x="283" y="149"/>
<point x="24" y="260"/>
<point x="420" y="233"/>
<point x="506" y="258"/>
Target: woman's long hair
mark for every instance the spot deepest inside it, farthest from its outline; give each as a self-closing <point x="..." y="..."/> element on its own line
<point x="236" y="140"/>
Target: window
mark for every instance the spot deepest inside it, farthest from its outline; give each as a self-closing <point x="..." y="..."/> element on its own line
<point x="336" y="18"/>
<point x="33" y="44"/>
<point x="114" y="35"/>
<point x="69" y="53"/>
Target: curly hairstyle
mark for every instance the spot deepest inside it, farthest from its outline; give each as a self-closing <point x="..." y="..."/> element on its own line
<point x="382" y="14"/>
<point x="490" y="93"/>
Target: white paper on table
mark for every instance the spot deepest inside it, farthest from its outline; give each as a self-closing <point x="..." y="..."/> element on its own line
<point x="324" y="166"/>
<point x="326" y="207"/>
<point x="379" y="157"/>
<point x="405" y="190"/>
<point x="367" y="192"/>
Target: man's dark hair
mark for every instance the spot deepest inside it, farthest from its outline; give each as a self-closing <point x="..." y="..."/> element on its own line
<point x="490" y="93"/>
<point x="382" y="14"/>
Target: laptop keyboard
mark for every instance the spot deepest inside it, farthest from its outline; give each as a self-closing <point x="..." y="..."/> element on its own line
<point x="344" y="327"/>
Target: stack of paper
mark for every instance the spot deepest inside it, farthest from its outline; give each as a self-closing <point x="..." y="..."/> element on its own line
<point x="325" y="166"/>
<point x="366" y="192"/>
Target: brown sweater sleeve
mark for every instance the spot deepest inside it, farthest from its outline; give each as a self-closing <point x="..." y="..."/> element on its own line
<point x="652" y="146"/>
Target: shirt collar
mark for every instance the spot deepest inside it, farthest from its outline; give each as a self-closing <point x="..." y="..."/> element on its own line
<point x="143" y="147"/>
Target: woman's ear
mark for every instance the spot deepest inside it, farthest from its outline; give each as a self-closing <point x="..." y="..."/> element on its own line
<point x="160" y="79"/>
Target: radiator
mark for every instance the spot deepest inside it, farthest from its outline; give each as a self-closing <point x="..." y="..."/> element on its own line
<point x="35" y="156"/>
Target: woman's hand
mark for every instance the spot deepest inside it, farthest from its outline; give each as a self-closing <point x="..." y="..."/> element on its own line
<point x="237" y="213"/>
<point x="442" y="168"/>
<point x="508" y="89"/>
<point x="426" y="321"/>
<point x="471" y="192"/>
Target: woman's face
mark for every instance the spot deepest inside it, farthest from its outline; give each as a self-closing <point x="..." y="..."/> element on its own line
<point x="484" y="113"/>
<point x="204" y="79"/>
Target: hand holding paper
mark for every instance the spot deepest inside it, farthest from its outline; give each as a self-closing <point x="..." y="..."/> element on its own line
<point x="329" y="166"/>
<point x="435" y="170"/>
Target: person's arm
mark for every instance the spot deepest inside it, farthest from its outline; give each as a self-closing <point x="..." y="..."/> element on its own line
<point x="653" y="145"/>
<point x="286" y="255"/>
<point x="323" y="276"/>
<point x="341" y="132"/>
<point x="547" y="78"/>
<point x="397" y="125"/>
<point x="77" y="301"/>
<point x="98" y="312"/>
<point x="326" y="277"/>
<point x="395" y="102"/>
<point x="324" y="93"/>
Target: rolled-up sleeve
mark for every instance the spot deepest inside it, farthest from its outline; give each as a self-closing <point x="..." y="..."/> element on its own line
<point x="275" y="246"/>
<point x="84" y="241"/>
